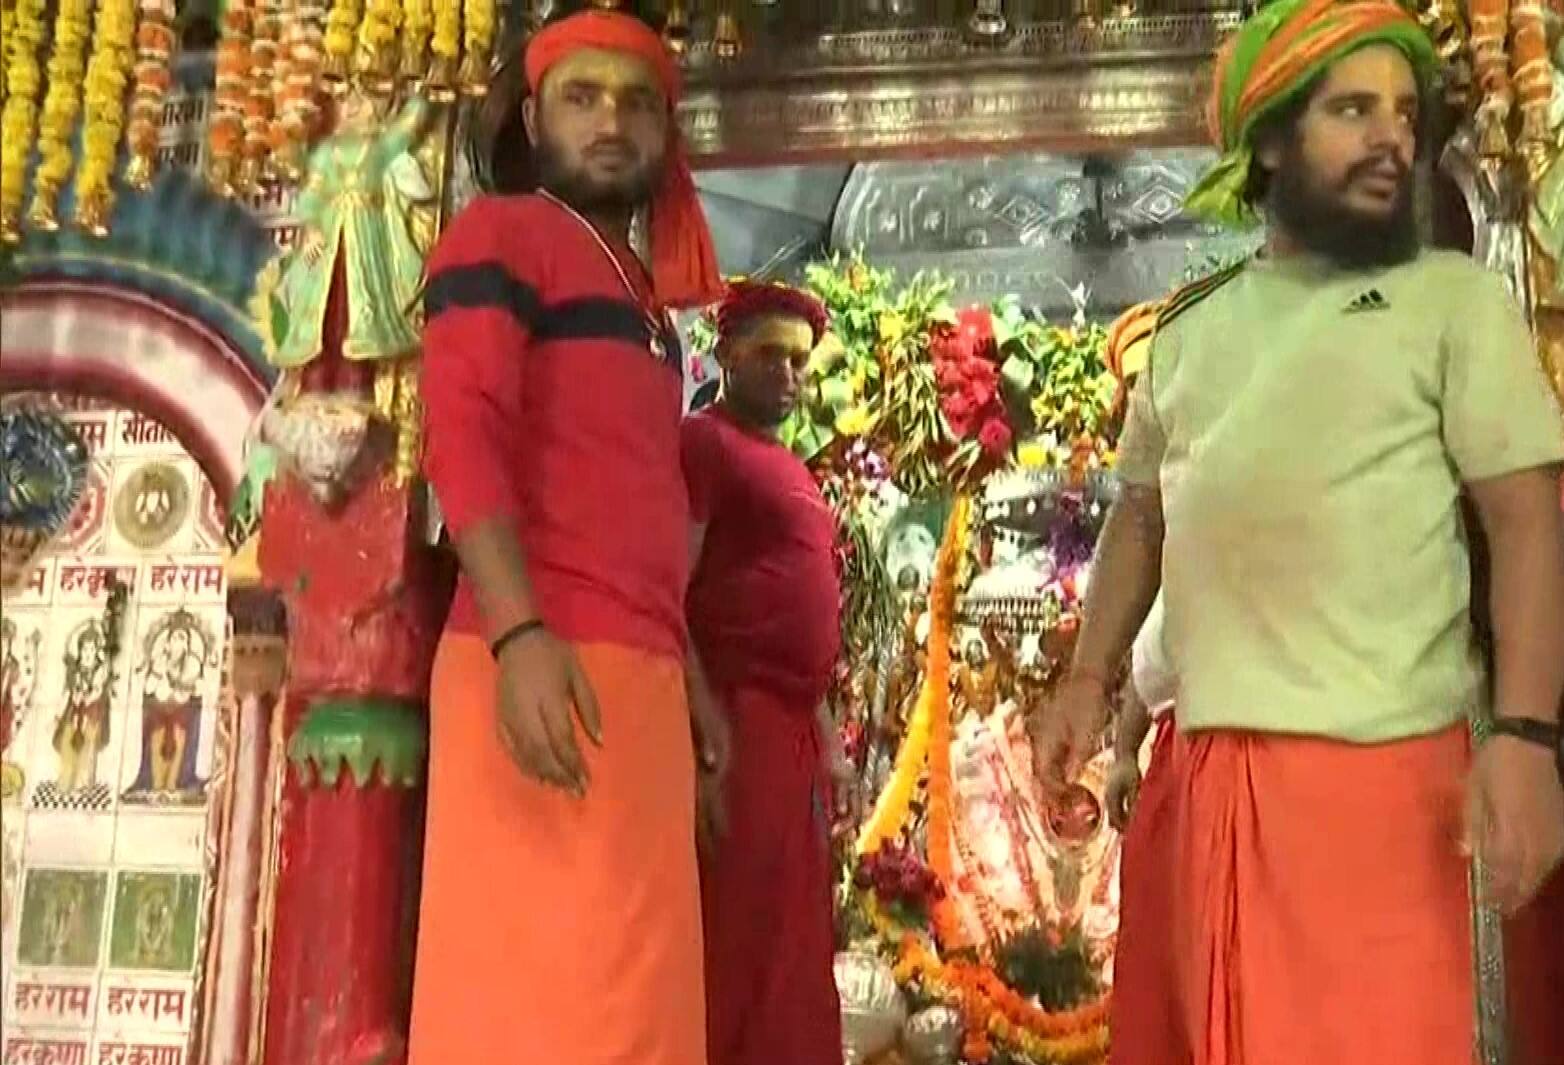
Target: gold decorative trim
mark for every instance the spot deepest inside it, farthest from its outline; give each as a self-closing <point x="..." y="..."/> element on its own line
<point x="1095" y="40"/>
<point x="1066" y="85"/>
<point x="1063" y="109"/>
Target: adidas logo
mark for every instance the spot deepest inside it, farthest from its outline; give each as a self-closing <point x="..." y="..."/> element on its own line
<point x="1372" y="300"/>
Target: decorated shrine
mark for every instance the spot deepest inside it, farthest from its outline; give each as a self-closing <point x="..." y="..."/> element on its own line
<point x="223" y="578"/>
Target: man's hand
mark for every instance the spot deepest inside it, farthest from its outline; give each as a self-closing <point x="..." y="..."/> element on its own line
<point x="711" y="814"/>
<point x="709" y="726"/>
<point x="1515" y="818"/>
<point x="1068" y="732"/>
<point x="1122" y="790"/>
<point x="542" y="690"/>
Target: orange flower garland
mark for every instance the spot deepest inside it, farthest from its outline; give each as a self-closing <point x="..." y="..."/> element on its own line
<point x="297" y="111"/>
<point x="155" y="44"/>
<point x="260" y="97"/>
<point x="995" y="1014"/>
<point x="942" y="609"/>
<point x="233" y="96"/>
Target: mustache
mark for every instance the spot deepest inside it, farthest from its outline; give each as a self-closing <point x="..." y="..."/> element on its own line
<point x="621" y="145"/>
<point x="1366" y="167"/>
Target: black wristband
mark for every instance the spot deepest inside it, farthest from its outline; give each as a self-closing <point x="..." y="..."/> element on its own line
<point x="1529" y="729"/>
<point x="514" y="633"/>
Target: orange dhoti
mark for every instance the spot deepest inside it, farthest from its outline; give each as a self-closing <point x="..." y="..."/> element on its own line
<point x="1317" y="904"/>
<point x="556" y="930"/>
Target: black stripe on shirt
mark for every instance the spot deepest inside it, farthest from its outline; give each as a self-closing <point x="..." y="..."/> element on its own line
<point x="479" y="285"/>
<point x="606" y="318"/>
<point x="594" y="318"/>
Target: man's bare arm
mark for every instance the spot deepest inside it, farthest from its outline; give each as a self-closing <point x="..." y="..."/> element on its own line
<point x="1134" y="723"/>
<point x="1520" y="515"/>
<point x="1126" y="574"/>
<point x="491" y="556"/>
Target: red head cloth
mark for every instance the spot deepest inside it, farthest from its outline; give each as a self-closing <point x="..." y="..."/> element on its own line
<point x="684" y="264"/>
<point x="751" y="299"/>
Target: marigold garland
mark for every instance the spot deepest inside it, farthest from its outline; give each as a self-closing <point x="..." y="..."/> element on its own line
<point x="377" y="38"/>
<point x="446" y="46"/>
<point x="7" y="27"/>
<point x="226" y="136"/>
<point x="260" y="91"/>
<point x="996" y="1014"/>
<point x="108" y="77"/>
<point x="417" y="26"/>
<point x="890" y="809"/>
<point x="298" y="103"/>
<point x="23" y="79"/>
<point x="942" y="609"/>
<point x="341" y="22"/>
<point x="478" y="31"/>
<point x="155" y="43"/>
<point x="61" y="105"/>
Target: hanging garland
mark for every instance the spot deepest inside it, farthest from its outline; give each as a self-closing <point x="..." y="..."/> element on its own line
<point x="23" y="80"/>
<point x="478" y="28"/>
<point x="226" y="138"/>
<point x="108" y="76"/>
<point x="155" y="43"/>
<point x="7" y="27"/>
<point x="377" y="39"/>
<point x="298" y="105"/>
<point x="942" y="612"/>
<point x="417" y="26"/>
<point x="61" y="105"/>
<point x="446" y="46"/>
<point x="260" y="96"/>
<point x="341" y="22"/>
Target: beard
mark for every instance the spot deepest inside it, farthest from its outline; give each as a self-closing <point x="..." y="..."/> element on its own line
<point x="585" y="193"/>
<point x="1315" y="217"/>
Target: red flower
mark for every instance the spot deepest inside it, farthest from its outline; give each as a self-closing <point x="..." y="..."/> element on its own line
<point x="975" y="326"/>
<point x="959" y="412"/>
<point x="995" y="436"/>
<point x="982" y="381"/>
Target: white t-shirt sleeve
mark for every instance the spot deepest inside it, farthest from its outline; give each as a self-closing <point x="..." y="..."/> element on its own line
<point x="1151" y="671"/>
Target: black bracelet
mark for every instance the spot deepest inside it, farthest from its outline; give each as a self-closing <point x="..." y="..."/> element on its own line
<point x="1529" y="729"/>
<point x="514" y="633"/>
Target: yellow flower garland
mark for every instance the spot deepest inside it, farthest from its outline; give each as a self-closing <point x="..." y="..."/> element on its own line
<point x="446" y="46"/>
<point x="61" y="105"/>
<point x="478" y="27"/>
<point x="890" y="809"/>
<point x="19" y="118"/>
<point x="341" y="25"/>
<point x="417" y="26"/>
<point x="108" y="76"/>
<point x="7" y="27"/>
<point x="377" y="36"/>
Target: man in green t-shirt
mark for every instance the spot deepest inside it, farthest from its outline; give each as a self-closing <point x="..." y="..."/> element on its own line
<point x="1292" y="464"/>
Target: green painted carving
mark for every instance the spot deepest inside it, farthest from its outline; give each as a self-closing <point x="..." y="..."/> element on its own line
<point x="360" y="735"/>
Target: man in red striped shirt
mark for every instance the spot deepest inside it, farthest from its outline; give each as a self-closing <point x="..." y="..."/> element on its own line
<point x="560" y="915"/>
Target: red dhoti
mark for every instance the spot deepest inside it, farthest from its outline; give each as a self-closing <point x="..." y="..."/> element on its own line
<point x="1143" y="1011"/>
<point x="1316" y="905"/>
<point x="558" y="931"/>
<point x="766" y="895"/>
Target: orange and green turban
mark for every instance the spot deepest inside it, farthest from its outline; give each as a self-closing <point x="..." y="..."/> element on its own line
<point x="1278" y="53"/>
